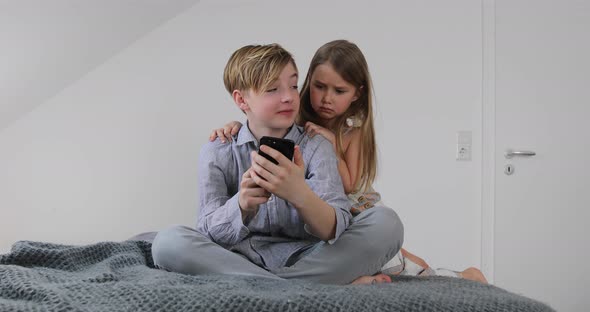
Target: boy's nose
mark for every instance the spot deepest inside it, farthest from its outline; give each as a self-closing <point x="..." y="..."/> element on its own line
<point x="286" y="97"/>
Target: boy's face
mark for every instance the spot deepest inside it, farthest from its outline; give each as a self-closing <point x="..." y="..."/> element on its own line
<point x="275" y="108"/>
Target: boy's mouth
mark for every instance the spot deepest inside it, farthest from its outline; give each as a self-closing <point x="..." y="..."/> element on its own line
<point x="286" y="112"/>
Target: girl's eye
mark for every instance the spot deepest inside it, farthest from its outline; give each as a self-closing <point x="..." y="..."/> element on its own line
<point x="340" y="91"/>
<point x="318" y="86"/>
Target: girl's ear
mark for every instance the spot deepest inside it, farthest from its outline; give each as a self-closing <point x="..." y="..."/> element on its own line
<point x="358" y="93"/>
<point x="240" y="100"/>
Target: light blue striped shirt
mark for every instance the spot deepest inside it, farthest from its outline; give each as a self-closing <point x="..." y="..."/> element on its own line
<point x="276" y="232"/>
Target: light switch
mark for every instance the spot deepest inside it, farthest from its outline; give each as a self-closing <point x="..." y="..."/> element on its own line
<point x="464" y="145"/>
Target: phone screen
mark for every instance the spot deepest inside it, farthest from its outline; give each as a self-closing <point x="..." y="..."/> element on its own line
<point x="285" y="146"/>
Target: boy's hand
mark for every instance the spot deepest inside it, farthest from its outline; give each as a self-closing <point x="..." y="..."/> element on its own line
<point x="286" y="180"/>
<point x="251" y="195"/>
<point x="312" y="129"/>
<point x="226" y="132"/>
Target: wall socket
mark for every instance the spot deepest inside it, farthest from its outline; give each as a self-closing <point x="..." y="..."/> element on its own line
<point x="463" y="145"/>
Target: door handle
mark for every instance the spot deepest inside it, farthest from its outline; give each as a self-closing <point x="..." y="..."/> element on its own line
<point x="510" y="153"/>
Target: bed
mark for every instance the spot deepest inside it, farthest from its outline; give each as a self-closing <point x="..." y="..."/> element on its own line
<point x="120" y="276"/>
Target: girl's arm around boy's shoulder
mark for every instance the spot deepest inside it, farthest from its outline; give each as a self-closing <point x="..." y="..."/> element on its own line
<point x="219" y="214"/>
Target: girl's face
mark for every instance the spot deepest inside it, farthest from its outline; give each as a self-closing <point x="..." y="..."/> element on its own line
<point x="330" y="94"/>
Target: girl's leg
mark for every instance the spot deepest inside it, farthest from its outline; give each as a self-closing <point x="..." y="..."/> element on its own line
<point x="471" y="273"/>
<point x="184" y="250"/>
<point x="412" y="257"/>
<point x="405" y="263"/>
<point x="374" y="236"/>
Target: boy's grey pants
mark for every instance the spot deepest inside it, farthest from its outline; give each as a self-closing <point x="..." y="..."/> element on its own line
<point x="372" y="239"/>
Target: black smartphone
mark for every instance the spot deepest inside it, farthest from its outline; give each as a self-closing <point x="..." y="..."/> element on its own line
<point x="285" y="146"/>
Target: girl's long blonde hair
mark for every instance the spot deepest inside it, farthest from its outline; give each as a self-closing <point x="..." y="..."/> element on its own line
<point x="349" y="62"/>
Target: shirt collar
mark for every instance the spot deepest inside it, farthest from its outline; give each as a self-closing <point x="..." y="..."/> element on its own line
<point x="245" y="136"/>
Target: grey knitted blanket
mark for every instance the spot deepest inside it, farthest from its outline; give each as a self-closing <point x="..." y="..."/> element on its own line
<point x="112" y="276"/>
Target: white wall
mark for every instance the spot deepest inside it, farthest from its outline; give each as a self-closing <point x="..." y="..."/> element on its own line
<point x="115" y="153"/>
<point x="47" y="45"/>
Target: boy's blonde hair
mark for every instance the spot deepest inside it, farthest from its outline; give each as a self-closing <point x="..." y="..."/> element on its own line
<point x="349" y="62"/>
<point x="255" y="67"/>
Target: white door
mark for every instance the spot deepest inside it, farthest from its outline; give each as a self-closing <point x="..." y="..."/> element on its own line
<point x="542" y="98"/>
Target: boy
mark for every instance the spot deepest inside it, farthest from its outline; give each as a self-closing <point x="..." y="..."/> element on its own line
<point x="289" y="220"/>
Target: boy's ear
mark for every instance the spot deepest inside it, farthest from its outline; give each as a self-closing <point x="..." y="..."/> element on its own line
<point x="240" y="100"/>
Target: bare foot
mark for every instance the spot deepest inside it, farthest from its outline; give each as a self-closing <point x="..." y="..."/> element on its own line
<point x="474" y="274"/>
<point x="375" y="279"/>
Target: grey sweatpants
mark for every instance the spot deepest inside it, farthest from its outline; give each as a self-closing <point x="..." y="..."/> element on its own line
<point x="372" y="239"/>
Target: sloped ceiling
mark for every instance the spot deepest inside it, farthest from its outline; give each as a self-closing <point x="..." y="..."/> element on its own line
<point x="47" y="45"/>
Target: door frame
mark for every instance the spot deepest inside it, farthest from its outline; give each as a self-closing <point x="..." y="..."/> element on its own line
<point x="488" y="146"/>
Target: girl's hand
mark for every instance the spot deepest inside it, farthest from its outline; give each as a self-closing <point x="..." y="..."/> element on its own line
<point x="312" y="129"/>
<point x="285" y="180"/>
<point x="226" y="132"/>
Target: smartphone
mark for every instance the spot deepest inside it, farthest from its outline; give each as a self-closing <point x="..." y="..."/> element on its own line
<point x="285" y="146"/>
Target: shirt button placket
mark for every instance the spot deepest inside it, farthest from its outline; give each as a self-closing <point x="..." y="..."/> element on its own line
<point x="272" y="213"/>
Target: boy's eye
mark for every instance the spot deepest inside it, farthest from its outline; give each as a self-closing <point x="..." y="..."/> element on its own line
<point x="295" y="87"/>
<point x="271" y="90"/>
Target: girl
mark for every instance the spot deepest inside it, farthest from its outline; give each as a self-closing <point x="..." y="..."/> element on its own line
<point x="336" y="102"/>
